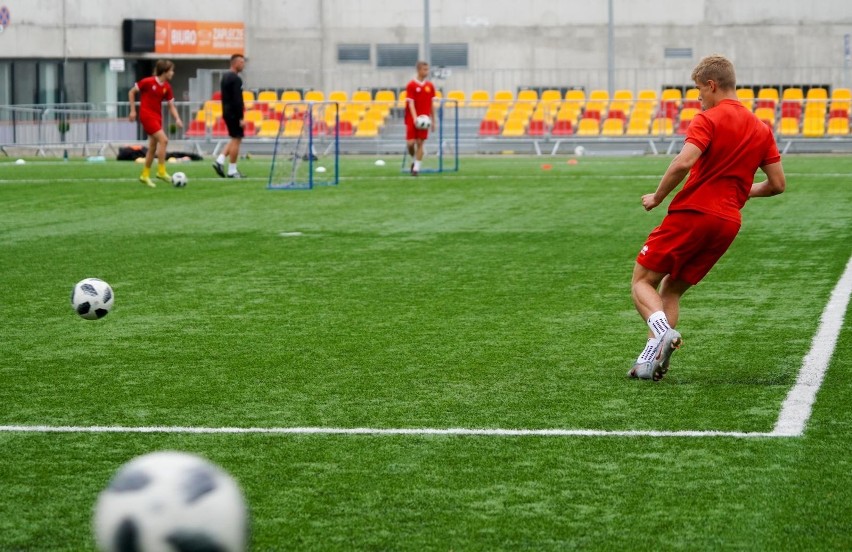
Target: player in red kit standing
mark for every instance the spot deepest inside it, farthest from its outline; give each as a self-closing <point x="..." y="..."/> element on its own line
<point x="418" y="98"/>
<point x="724" y="147"/>
<point x="153" y="91"/>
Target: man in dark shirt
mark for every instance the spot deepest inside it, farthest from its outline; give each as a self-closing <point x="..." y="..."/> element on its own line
<point x="232" y="113"/>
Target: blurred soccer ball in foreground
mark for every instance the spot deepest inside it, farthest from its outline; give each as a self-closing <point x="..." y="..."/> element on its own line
<point x="179" y="180"/>
<point x="422" y="122"/>
<point x="92" y="298"/>
<point x="171" y="502"/>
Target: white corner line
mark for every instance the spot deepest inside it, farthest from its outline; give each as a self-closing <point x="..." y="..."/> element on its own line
<point x="794" y="415"/>
<point x="796" y="409"/>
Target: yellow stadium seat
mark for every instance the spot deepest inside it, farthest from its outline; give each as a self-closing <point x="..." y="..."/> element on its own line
<point x="528" y="96"/>
<point x="575" y="99"/>
<point x="253" y="115"/>
<point x="765" y="114"/>
<point x="513" y="127"/>
<point x="768" y="95"/>
<point x="792" y="94"/>
<point x="841" y="98"/>
<point x="269" y="128"/>
<point x="503" y="98"/>
<point x="671" y="95"/>
<point x="692" y="94"/>
<point x="293" y="128"/>
<point x="458" y="96"/>
<point x="367" y="128"/>
<point x="688" y="113"/>
<point x="401" y="100"/>
<point x="813" y="127"/>
<point x="387" y="96"/>
<point x="479" y="98"/>
<point x="638" y="126"/>
<point x="613" y="127"/>
<point x="248" y="99"/>
<point x="267" y="96"/>
<point x="338" y="96"/>
<point x="838" y="126"/>
<point x="789" y="126"/>
<point x="314" y="96"/>
<point x="746" y="96"/>
<point x="290" y="96"/>
<point x="588" y="127"/>
<point x="361" y="96"/>
<point x="662" y="126"/>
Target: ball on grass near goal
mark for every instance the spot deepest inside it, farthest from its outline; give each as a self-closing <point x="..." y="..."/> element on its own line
<point x="320" y="169"/>
<point x="92" y="298"/>
<point x="179" y="180"/>
<point x="171" y="501"/>
<point x="423" y="122"/>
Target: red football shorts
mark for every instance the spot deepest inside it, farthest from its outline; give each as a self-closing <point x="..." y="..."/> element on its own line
<point x="151" y="125"/>
<point x="412" y="133"/>
<point x="687" y="245"/>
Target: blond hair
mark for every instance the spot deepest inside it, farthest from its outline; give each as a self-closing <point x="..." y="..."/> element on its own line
<point x="718" y="69"/>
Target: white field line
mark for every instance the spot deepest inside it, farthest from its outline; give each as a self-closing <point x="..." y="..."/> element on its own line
<point x="791" y="422"/>
<point x="796" y="409"/>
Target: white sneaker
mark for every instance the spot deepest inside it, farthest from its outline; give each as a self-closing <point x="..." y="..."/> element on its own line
<point x="669" y="343"/>
<point x="642" y="370"/>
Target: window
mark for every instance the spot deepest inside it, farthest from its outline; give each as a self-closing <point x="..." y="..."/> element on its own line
<point x="449" y="55"/>
<point x="353" y="53"/>
<point x="396" y="55"/>
<point x="678" y="53"/>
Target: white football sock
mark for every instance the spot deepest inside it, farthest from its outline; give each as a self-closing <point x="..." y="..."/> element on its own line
<point x="658" y="323"/>
<point x="417" y="165"/>
<point x="232" y="168"/>
<point x="221" y="159"/>
<point x="650" y="350"/>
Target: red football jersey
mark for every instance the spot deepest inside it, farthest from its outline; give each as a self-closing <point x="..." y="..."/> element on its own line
<point x="422" y="94"/>
<point x="152" y="95"/>
<point x="735" y="144"/>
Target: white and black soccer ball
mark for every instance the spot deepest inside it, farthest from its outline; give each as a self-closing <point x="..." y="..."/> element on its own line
<point x="179" y="180"/>
<point x="92" y="298"/>
<point x="423" y="122"/>
<point x="171" y="502"/>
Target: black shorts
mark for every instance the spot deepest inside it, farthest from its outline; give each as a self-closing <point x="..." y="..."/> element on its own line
<point x="234" y="128"/>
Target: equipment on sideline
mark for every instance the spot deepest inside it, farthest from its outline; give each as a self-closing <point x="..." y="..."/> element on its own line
<point x="310" y="138"/>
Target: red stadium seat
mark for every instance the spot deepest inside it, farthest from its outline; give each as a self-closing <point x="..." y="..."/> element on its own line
<point x="562" y="127"/>
<point x="196" y="129"/>
<point x="220" y="129"/>
<point x="537" y="128"/>
<point x="249" y="129"/>
<point x="489" y="128"/>
<point x="791" y="109"/>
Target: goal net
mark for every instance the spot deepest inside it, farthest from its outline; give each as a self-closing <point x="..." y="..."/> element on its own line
<point x="441" y="148"/>
<point x="306" y="152"/>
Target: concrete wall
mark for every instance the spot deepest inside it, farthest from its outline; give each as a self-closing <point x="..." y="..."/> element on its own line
<point x="511" y="42"/>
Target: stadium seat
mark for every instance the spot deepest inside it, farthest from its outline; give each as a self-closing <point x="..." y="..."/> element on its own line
<point x="669" y="109"/>
<point x="588" y="127"/>
<point x="789" y="126"/>
<point x="550" y="101"/>
<point x="683" y="126"/>
<point x="575" y="99"/>
<point x="691" y="104"/>
<point x="662" y="126"/>
<point x="837" y="113"/>
<point x="401" y="99"/>
<point x="314" y="96"/>
<point x="196" y="129"/>
<point x="791" y="109"/>
<point x="254" y="115"/>
<point x="458" y="96"/>
<point x="250" y="129"/>
<point x="562" y="127"/>
<point x="792" y="94"/>
<point x="537" y="128"/>
<point x="527" y="95"/>
<point x="766" y="114"/>
<point x="613" y="127"/>
<point x="503" y="98"/>
<point x="838" y="126"/>
<point x="367" y="128"/>
<point x="338" y="96"/>
<point x="692" y="94"/>
<point x="514" y="128"/>
<point x="841" y="98"/>
<point x="671" y="95"/>
<point x="267" y="96"/>
<point x="489" y="127"/>
<point x="345" y="128"/>
<point x="217" y="96"/>
<point x="320" y="128"/>
<point x="638" y="125"/>
<point x="598" y="101"/>
<point x="248" y="99"/>
<point x="592" y="114"/>
<point x="746" y="96"/>
<point x="479" y="98"/>
<point x="220" y="129"/>
<point x="688" y="113"/>
<point x="293" y="128"/>
<point x="646" y="101"/>
<point x="813" y="127"/>
<point x="387" y="96"/>
<point x="766" y="97"/>
<point x="289" y="96"/>
<point x="616" y="113"/>
<point x="269" y="128"/>
<point x="364" y="96"/>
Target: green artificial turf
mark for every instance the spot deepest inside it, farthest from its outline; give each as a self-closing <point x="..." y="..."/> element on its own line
<point x="497" y="297"/>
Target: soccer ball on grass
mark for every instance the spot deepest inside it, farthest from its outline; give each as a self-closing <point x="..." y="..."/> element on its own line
<point x="423" y="122"/>
<point x="179" y="180"/>
<point x="171" y="501"/>
<point x="92" y="298"/>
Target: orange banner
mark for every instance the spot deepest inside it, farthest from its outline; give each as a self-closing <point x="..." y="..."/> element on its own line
<point x="199" y="37"/>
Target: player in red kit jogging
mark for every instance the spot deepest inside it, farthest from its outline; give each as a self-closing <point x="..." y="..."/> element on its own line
<point x="418" y="99"/>
<point x="724" y="147"/>
<point x="153" y="91"/>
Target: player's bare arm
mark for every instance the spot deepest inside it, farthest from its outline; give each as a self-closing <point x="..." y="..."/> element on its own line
<point x="774" y="184"/>
<point x="678" y="169"/>
<point x="131" y="97"/>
